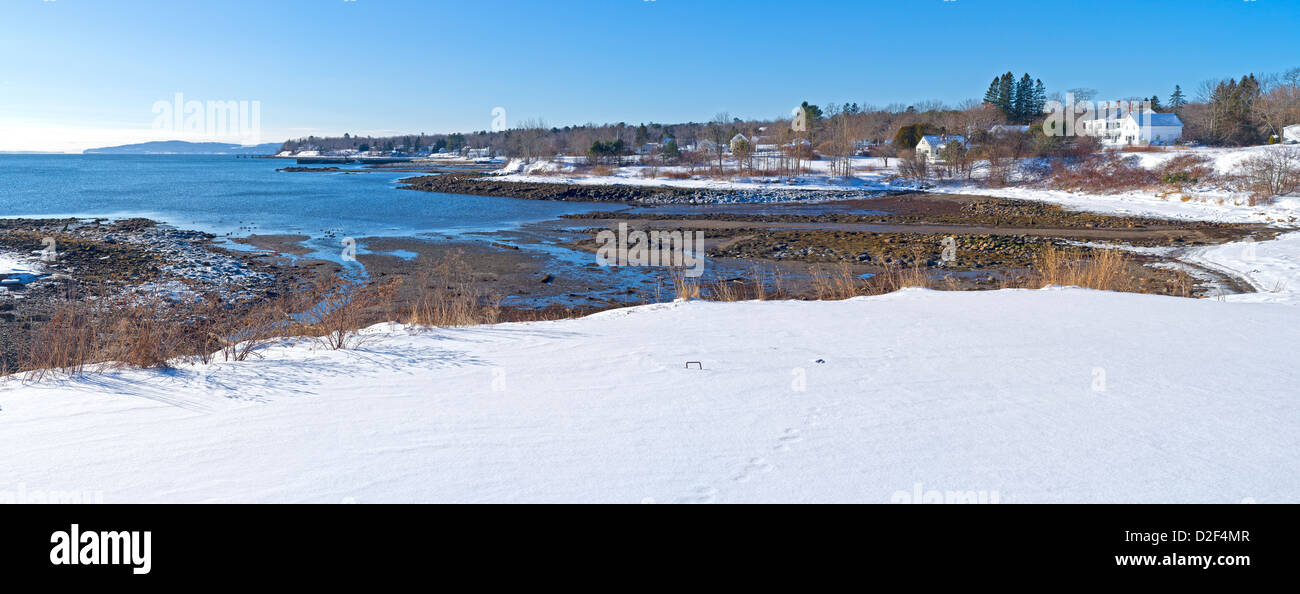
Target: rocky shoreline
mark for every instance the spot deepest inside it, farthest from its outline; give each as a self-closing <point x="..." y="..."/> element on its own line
<point x="477" y="185"/>
<point x="134" y="254"/>
<point x="69" y="258"/>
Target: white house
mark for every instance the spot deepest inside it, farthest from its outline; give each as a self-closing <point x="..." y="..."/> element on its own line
<point x="738" y="141"/>
<point x="1135" y="128"/>
<point x="703" y="146"/>
<point x="1291" y="134"/>
<point x="931" y="147"/>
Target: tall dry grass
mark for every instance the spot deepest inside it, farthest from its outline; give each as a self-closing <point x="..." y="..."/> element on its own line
<point x="446" y="296"/>
<point x="1104" y="270"/>
<point x="684" y="287"/>
<point x="98" y="330"/>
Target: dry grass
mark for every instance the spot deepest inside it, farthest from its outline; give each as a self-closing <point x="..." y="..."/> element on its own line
<point x="98" y="331"/>
<point x="684" y="287"/>
<point x="447" y="297"/>
<point x="1104" y="271"/>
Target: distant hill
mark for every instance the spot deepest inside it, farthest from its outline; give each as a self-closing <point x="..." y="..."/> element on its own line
<point x="181" y="147"/>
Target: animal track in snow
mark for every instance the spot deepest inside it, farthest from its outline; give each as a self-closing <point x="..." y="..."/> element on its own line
<point x="701" y="495"/>
<point x="791" y="437"/>
<point x="755" y="466"/>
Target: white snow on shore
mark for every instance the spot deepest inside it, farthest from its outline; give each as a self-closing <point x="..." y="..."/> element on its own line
<point x="871" y="173"/>
<point x="1271" y="267"/>
<point x="1219" y="206"/>
<point x="14" y="264"/>
<point x="1014" y="396"/>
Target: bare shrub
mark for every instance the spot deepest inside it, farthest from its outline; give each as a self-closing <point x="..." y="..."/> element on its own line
<point x="913" y="166"/>
<point x="342" y="307"/>
<point x="1185" y="170"/>
<point x="1273" y="172"/>
<point x="1107" y="173"/>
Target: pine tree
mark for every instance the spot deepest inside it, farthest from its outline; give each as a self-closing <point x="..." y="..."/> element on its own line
<point x="1176" y="100"/>
<point x="991" y="96"/>
<point x="670" y="149"/>
<point x="1040" y="98"/>
<point x="1006" y="91"/>
<point x="1022" y="99"/>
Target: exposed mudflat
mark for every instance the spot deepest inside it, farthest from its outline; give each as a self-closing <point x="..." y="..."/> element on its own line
<point x="478" y="185"/>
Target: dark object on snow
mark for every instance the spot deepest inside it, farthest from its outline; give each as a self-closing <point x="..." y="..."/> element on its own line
<point x="822" y="361"/>
<point x="697" y="363"/>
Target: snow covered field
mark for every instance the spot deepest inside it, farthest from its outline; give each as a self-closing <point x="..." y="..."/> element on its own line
<point x="1009" y="396"/>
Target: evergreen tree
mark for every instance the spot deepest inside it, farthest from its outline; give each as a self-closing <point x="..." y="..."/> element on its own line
<point x="670" y="149"/>
<point x="1040" y="98"/>
<point x="991" y="96"/>
<point x="1176" y="100"/>
<point x="1006" y="91"/>
<point x="1022" y="100"/>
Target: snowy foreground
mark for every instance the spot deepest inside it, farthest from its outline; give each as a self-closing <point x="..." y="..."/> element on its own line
<point x="1058" y="395"/>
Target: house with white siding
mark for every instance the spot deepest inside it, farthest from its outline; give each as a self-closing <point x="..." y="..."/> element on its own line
<point x="1135" y="128"/>
<point x="1291" y="134"/>
<point x="931" y="147"/>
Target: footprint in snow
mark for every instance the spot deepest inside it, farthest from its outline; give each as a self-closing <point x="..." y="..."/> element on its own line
<point x="791" y="437"/>
<point x="756" y="465"/>
<point x="702" y="495"/>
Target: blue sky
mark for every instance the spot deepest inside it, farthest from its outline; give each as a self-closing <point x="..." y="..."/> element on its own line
<point x="82" y="73"/>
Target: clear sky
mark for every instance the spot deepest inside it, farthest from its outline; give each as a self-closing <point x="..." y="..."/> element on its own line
<point x="81" y="73"/>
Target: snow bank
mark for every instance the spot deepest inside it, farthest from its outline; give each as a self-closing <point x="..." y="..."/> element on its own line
<point x="1013" y="396"/>
<point x="1271" y="267"/>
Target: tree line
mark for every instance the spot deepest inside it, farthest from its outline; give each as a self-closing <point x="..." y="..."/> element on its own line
<point x="1249" y="110"/>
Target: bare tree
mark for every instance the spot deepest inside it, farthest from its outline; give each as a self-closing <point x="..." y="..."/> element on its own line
<point x="719" y="136"/>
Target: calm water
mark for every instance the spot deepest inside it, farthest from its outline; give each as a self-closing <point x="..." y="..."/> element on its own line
<point x="238" y="197"/>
